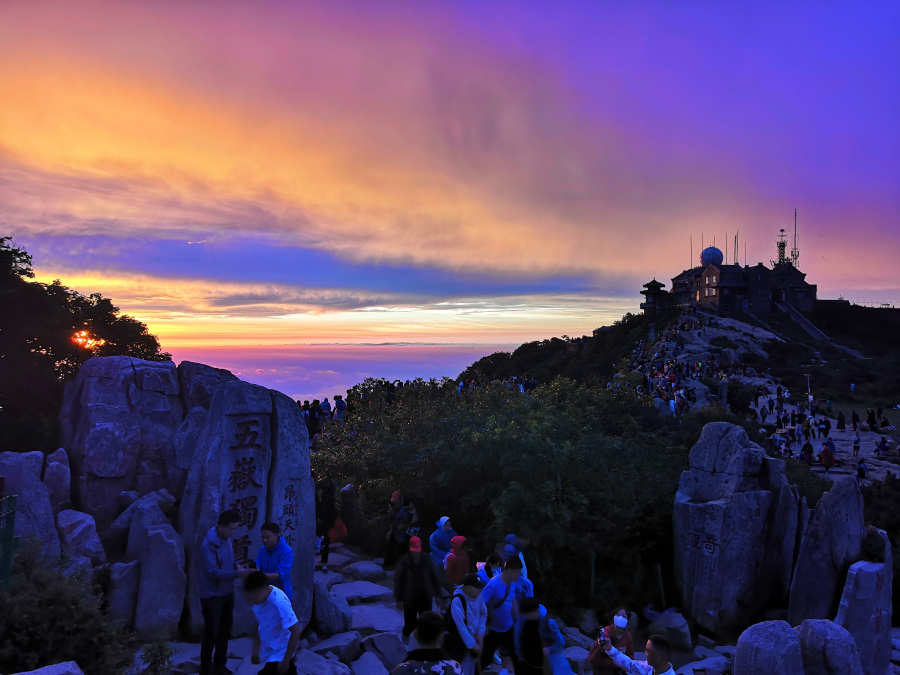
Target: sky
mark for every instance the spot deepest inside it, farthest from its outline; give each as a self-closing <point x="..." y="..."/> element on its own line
<point x="313" y="193"/>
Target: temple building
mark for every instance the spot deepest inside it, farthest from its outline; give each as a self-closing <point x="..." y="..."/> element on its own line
<point x="738" y="289"/>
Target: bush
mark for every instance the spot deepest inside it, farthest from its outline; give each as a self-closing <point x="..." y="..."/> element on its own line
<point x="48" y="617"/>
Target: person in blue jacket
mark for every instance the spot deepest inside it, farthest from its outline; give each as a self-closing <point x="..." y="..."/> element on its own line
<point x="275" y="559"/>
<point x="440" y="544"/>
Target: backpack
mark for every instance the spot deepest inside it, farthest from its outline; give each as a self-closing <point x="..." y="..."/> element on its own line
<point x="453" y="643"/>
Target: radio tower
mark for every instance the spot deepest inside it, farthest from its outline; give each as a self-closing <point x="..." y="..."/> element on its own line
<point x="795" y="250"/>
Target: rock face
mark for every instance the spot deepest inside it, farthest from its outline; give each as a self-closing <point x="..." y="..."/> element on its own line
<point x="78" y="536"/>
<point x="251" y="455"/>
<point x="865" y="611"/>
<point x="146" y="514"/>
<point x="827" y="649"/>
<point x="124" y="579"/>
<point x="117" y="418"/>
<point x="735" y="522"/>
<point x="333" y="614"/>
<point x="343" y="645"/>
<point x="308" y="663"/>
<point x="162" y="583"/>
<point x="368" y="664"/>
<point x="199" y="382"/>
<point x="34" y="515"/>
<point x="371" y="619"/>
<point x="832" y="542"/>
<point x="387" y="647"/>
<point x="67" y="668"/>
<point x="364" y="571"/>
<point x="768" y="648"/>
<point x="116" y="534"/>
<point x="58" y="480"/>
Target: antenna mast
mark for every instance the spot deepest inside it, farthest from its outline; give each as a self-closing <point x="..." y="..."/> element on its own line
<point x="691" y="266"/>
<point x="736" y="249"/>
<point x="795" y="251"/>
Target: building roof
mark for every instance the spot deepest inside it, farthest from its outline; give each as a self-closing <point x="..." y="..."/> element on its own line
<point x="653" y="285"/>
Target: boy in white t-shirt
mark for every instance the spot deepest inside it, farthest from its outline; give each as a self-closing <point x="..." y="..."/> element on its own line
<point x="279" y="629"/>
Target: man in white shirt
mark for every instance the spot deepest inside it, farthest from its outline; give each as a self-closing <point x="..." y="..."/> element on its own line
<point x="279" y="629"/>
<point x="657" y="663"/>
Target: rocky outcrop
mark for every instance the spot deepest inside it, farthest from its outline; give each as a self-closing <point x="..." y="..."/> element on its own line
<point x="146" y="515"/>
<point x="34" y="512"/>
<point x="67" y="668"/>
<point x="768" y="648"/>
<point x="343" y="645"/>
<point x="832" y="542"/>
<point x="364" y="571"/>
<point x="199" y="382"/>
<point x="122" y="595"/>
<point x="58" y="480"/>
<point x="162" y="583"/>
<point x="181" y="449"/>
<point x="368" y="664"/>
<point x="116" y="421"/>
<point x="387" y="647"/>
<point x="78" y="536"/>
<point x="865" y="611"/>
<point x="308" y="663"/>
<point x="735" y="521"/>
<point x="251" y="455"/>
<point x="116" y="534"/>
<point x="333" y="614"/>
<point x="827" y="649"/>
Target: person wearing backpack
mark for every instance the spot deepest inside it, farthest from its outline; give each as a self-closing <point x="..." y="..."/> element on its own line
<point x="499" y="598"/>
<point x="465" y="621"/>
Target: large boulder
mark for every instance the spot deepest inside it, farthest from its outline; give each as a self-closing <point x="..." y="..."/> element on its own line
<point x="832" y="542"/>
<point x="355" y="592"/>
<point x="58" y="480"/>
<point x="67" y="668"/>
<point x="251" y="455"/>
<point x="121" y="598"/>
<point x="199" y="382"/>
<point x="387" y="647"/>
<point x="78" y="536"/>
<point x="308" y="663"/>
<point x="345" y="646"/>
<point x="333" y="614"/>
<point x="674" y="627"/>
<point x="368" y="664"/>
<point x="34" y="513"/>
<point x="116" y="535"/>
<point x="147" y="514"/>
<point x="768" y="648"/>
<point x="364" y="571"/>
<point x="371" y="619"/>
<point x="181" y="449"/>
<point x="735" y="521"/>
<point x="162" y="583"/>
<point x="827" y="649"/>
<point x="865" y="610"/>
<point x="116" y="421"/>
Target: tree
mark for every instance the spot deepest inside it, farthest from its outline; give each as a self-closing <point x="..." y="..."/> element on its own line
<point x="47" y="331"/>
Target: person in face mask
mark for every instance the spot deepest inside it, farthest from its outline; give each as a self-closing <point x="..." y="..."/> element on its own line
<point x="620" y="638"/>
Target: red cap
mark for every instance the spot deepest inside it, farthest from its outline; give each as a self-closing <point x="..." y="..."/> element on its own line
<point x="396" y="496"/>
<point x="415" y="544"/>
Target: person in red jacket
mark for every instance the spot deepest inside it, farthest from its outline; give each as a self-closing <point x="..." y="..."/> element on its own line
<point x="456" y="563"/>
<point x="621" y="639"/>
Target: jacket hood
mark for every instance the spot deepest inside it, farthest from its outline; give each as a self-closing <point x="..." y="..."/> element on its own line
<point x="441" y="521"/>
<point x="213" y="538"/>
<point x="457" y="542"/>
<point x="507" y="552"/>
<point x="282" y="545"/>
<point x="513" y="541"/>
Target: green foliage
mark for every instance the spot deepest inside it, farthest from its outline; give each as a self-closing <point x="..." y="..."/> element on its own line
<point x="584" y="470"/>
<point x="810" y="485"/>
<point x="37" y="326"/>
<point x="48" y="617"/>
<point x="157" y="657"/>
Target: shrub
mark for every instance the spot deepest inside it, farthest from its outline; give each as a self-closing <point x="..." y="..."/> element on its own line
<point x="49" y="617"/>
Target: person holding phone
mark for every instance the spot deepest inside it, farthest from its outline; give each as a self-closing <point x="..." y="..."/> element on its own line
<point x="657" y="663"/>
<point x="621" y="639"/>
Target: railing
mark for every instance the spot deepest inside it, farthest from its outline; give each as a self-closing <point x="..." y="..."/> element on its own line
<point x="9" y="542"/>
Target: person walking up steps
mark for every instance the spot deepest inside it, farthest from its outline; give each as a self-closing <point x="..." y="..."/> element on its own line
<point x="429" y="658"/>
<point x="465" y="624"/>
<point x="456" y="564"/>
<point x="499" y="598"/>
<point x="415" y="586"/>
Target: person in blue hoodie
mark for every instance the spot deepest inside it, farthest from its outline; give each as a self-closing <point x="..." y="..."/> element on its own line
<point x="537" y="637"/>
<point x="275" y="559"/>
<point x="440" y="544"/>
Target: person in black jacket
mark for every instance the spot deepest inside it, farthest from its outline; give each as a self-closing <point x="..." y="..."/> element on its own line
<point x="325" y="515"/>
<point x="415" y="585"/>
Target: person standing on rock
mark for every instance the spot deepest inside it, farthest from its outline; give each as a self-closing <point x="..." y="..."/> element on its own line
<point x="657" y="663"/>
<point x="325" y="516"/>
<point x="871" y="422"/>
<point x="278" y="636"/>
<point x="856" y="443"/>
<point x="826" y="456"/>
<point x="620" y="638"/>
<point x="854" y="421"/>
<point x="499" y="598"/>
<point x="216" y="584"/>
<point x="464" y="638"/>
<point x="415" y="586"/>
<point x="841" y="422"/>
<point x="456" y="564"/>
<point x="276" y="558"/>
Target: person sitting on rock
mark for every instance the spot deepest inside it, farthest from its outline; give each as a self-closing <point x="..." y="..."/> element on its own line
<point x="657" y="663"/>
